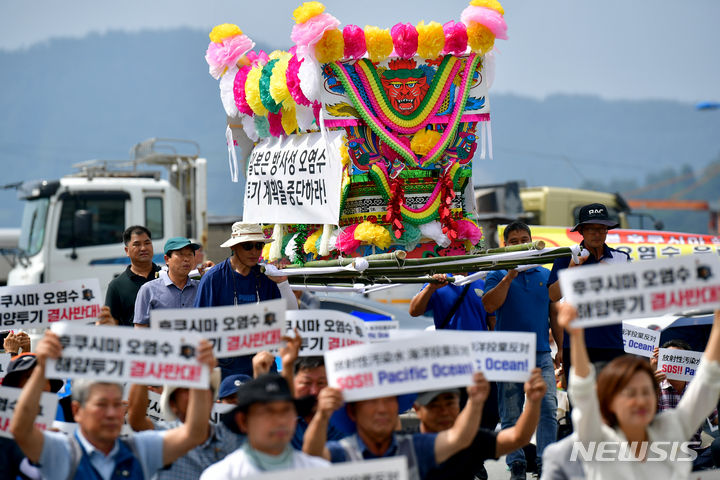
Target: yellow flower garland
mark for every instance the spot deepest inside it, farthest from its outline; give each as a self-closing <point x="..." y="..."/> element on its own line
<point x="252" y="91"/>
<point x="431" y="39"/>
<point x="331" y="46"/>
<point x="491" y="4"/>
<point x="309" y="245"/>
<point x="379" y="43"/>
<point x="423" y="141"/>
<point x="373" y="234"/>
<point x="307" y="10"/>
<point x="480" y="38"/>
<point x="223" y="31"/>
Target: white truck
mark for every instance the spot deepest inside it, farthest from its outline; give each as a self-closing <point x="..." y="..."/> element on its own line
<point x="72" y="227"/>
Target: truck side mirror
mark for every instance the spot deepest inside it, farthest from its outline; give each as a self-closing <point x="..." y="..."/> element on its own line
<point x="82" y="225"/>
<point x="659" y="225"/>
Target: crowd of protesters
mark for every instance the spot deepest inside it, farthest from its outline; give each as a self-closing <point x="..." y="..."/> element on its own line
<point x="293" y="420"/>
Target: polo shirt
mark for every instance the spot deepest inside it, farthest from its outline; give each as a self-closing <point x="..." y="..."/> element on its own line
<point x="609" y="336"/>
<point x="302" y="426"/>
<point x="122" y="291"/>
<point x="526" y="307"/>
<point x="56" y="454"/>
<point x="163" y="293"/>
<point x="470" y="315"/>
<point x="423" y="444"/>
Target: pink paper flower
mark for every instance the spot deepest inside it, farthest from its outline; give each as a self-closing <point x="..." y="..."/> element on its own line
<point x="455" y="38"/>
<point x="468" y="231"/>
<point x="346" y="242"/>
<point x="405" y="39"/>
<point x="293" y="81"/>
<point x="239" y="91"/>
<point x="354" y="38"/>
<point x="275" y="121"/>
<point x="487" y="17"/>
<point x="309" y="33"/>
<point x="221" y="56"/>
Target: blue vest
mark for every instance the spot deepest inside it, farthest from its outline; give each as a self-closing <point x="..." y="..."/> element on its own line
<point x="127" y="466"/>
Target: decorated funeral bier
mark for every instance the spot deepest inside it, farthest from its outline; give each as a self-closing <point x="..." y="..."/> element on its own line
<point x="363" y="139"/>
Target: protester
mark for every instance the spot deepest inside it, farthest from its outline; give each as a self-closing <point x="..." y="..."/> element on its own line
<point x="521" y="304"/>
<point x="15" y="343"/>
<point x="238" y="280"/>
<point x="558" y="462"/>
<point x="229" y="386"/>
<point x="266" y="412"/>
<point x="373" y="423"/>
<point x="622" y="412"/>
<point x="438" y="410"/>
<point x="94" y="450"/>
<point x="671" y="391"/>
<point x="603" y="343"/>
<point x="217" y="440"/>
<point x="123" y="289"/>
<point x="174" y="288"/>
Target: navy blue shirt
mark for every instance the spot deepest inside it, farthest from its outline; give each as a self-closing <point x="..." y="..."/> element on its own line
<point x="222" y="286"/>
<point x="470" y="315"/>
<point x="608" y="336"/>
<point x="526" y="306"/>
<point x="297" y="440"/>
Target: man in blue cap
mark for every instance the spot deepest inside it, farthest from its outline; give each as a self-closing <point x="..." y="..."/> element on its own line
<point x="174" y="288"/>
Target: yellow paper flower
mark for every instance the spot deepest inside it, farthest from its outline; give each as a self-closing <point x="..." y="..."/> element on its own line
<point x="223" y="31"/>
<point x="289" y="119"/>
<point x="278" y="81"/>
<point x="491" y="4"/>
<point x="373" y="234"/>
<point x="307" y="10"/>
<point x="379" y="43"/>
<point x="309" y="245"/>
<point x="424" y="141"/>
<point x="331" y="46"/>
<point x="252" y="91"/>
<point x="266" y="251"/>
<point x="480" y="38"/>
<point x="431" y="39"/>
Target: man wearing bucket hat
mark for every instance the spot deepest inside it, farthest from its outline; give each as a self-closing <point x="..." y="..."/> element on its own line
<point x="218" y="442"/>
<point x="238" y="280"/>
<point x="604" y="343"/>
<point x="266" y="413"/>
<point x="373" y="424"/>
<point x="172" y="289"/>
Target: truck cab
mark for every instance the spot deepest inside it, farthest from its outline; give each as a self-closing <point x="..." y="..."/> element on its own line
<point x="560" y="206"/>
<point x="72" y="227"/>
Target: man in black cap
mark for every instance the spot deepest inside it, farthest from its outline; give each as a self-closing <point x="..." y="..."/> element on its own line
<point x="266" y="412"/>
<point x="604" y="343"/>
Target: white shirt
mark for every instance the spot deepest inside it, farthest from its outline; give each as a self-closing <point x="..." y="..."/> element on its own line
<point x="239" y="464"/>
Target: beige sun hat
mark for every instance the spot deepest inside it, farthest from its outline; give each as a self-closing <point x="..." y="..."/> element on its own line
<point x="246" y="232"/>
<point x="168" y="390"/>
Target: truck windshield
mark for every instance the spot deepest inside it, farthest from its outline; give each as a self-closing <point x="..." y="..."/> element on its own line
<point x="32" y="230"/>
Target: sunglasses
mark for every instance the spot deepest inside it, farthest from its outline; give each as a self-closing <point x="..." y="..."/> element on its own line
<point x="247" y="246"/>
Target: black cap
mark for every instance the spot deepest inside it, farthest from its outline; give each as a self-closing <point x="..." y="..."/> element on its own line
<point x="595" y="213"/>
<point x="22" y="363"/>
<point x="267" y="388"/>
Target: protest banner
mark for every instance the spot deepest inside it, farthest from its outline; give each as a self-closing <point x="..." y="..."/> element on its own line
<point x="4" y="362"/>
<point x="233" y="330"/>
<point x="121" y="354"/>
<point x="40" y="305"/>
<point x="678" y="364"/>
<point x="393" y="468"/>
<point x="639" y="340"/>
<point x="294" y="180"/>
<point x="606" y="294"/>
<point x="325" y="330"/>
<point x="379" y="331"/>
<point x="8" y="400"/>
<point x="429" y="361"/>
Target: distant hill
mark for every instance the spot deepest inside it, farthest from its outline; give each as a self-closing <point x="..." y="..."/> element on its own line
<point x="71" y="100"/>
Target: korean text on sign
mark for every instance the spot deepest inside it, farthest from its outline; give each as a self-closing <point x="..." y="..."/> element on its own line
<point x="40" y="305"/>
<point x="120" y="354"/>
<point x="8" y="400"/>
<point x="393" y="468"/>
<point x="639" y="340"/>
<point x="294" y="180"/>
<point x="379" y="330"/>
<point x="678" y="364"/>
<point x="429" y="361"/>
<point x="324" y="330"/>
<point x="233" y="330"/>
<point x="607" y="294"/>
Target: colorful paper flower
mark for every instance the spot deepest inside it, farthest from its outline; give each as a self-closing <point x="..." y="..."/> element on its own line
<point x="311" y="25"/>
<point x="354" y="39"/>
<point x="480" y="38"/>
<point x="307" y="10"/>
<point x="431" y="39"/>
<point x="275" y="123"/>
<point x="289" y="120"/>
<point x="331" y="46"/>
<point x="222" y="31"/>
<point x="433" y="231"/>
<point x="252" y="91"/>
<point x="456" y="39"/>
<point x="373" y="234"/>
<point x="293" y="81"/>
<point x="310" y="243"/>
<point x="405" y="39"/>
<point x="346" y="242"/>
<point x="222" y="56"/>
<point x="467" y="230"/>
<point x="239" y="91"/>
<point x="378" y="42"/>
<point x="491" y="4"/>
<point x="423" y="141"/>
<point x="278" y="80"/>
<point x="485" y="22"/>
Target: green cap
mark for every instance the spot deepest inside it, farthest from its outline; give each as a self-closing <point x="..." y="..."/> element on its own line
<point x="178" y="243"/>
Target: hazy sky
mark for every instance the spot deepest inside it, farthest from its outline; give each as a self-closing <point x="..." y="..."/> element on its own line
<point x="637" y="49"/>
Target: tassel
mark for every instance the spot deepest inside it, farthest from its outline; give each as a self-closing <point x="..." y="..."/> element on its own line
<point x="276" y="245"/>
<point x="325" y="240"/>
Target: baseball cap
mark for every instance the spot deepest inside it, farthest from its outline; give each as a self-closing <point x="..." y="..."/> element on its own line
<point x="230" y="385"/>
<point x="20" y="364"/>
<point x="595" y="213"/>
<point x="424" y="398"/>
<point x="178" y="243"/>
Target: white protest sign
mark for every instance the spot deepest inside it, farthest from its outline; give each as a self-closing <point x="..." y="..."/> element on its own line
<point x="639" y="340"/>
<point x="429" y="361"/>
<point x="220" y="409"/>
<point x="705" y="475"/>
<point x="40" y="305"/>
<point x="324" y="330"/>
<point x="294" y="180"/>
<point x="678" y="364"/>
<point x="4" y="362"/>
<point x="233" y="330"/>
<point x="607" y="294"/>
<point x="379" y="331"/>
<point x="121" y="354"/>
<point x="8" y="400"/>
<point x="393" y="468"/>
<point x="68" y="428"/>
